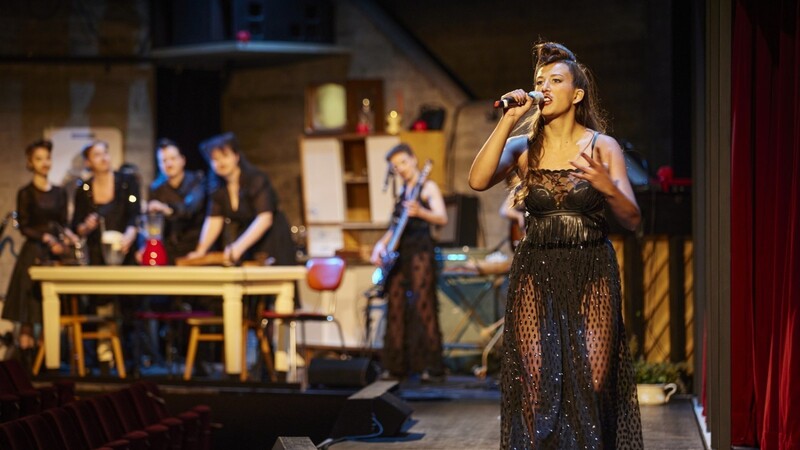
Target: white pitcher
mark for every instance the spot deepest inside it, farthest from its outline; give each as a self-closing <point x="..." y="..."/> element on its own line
<point x="655" y="394"/>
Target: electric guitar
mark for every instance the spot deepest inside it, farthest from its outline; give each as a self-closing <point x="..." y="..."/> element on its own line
<point x="389" y="259"/>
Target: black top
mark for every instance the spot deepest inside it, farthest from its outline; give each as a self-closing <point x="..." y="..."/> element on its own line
<point x="188" y="203"/>
<point x="416" y="227"/>
<point x="256" y="196"/>
<point x="40" y="212"/>
<point x="118" y="214"/>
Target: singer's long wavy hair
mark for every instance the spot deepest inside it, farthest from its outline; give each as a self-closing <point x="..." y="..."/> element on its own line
<point x="587" y="111"/>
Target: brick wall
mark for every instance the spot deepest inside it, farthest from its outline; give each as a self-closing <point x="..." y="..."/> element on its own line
<point x="623" y="42"/>
<point x="41" y="87"/>
<point x="265" y="107"/>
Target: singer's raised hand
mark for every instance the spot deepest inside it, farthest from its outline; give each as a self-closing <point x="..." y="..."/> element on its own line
<point x="523" y="103"/>
<point x="596" y="173"/>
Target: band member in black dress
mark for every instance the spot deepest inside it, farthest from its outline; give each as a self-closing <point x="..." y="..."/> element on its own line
<point x="107" y="202"/>
<point x="413" y="340"/>
<point x="242" y="208"/>
<point x="181" y="197"/>
<point x="42" y="217"/>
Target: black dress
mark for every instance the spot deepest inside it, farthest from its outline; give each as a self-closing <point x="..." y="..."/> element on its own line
<point x="413" y="340"/>
<point x="256" y="196"/>
<point x="118" y="214"/>
<point x="38" y="212"/>
<point x="188" y="201"/>
<point x="567" y="377"/>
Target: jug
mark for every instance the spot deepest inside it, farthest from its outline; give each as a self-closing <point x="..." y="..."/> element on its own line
<point x="655" y="394"/>
<point x="111" y="245"/>
<point x="151" y="226"/>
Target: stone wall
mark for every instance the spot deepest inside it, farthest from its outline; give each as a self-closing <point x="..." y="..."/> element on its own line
<point x="65" y="66"/>
<point x="80" y="65"/>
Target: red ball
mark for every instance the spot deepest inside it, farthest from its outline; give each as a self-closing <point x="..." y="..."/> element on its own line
<point x="420" y="125"/>
<point x="243" y="36"/>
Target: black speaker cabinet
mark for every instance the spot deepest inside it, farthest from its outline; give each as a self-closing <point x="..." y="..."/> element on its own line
<point x="355" y="372"/>
<point x="462" y="222"/>
<point x="374" y="401"/>
<point x="182" y="22"/>
<point x="294" y="443"/>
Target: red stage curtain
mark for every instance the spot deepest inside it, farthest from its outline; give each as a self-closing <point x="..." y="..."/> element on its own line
<point x="765" y="225"/>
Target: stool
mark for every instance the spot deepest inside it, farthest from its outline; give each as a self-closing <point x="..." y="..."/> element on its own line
<point x="171" y="317"/>
<point x="324" y="275"/>
<point x="197" y="335"/>
<point x="76" y="322"/>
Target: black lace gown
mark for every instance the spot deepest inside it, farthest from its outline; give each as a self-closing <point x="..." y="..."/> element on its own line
<point x="568" y="380"/>
<point x="413" y="340"/>
<point x="38" y="212"/>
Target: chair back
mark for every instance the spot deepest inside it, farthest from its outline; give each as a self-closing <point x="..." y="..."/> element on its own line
<point x="325" y="274"/>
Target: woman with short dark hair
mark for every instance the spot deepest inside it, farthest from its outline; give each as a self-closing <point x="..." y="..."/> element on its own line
<point x="42" y="217"/>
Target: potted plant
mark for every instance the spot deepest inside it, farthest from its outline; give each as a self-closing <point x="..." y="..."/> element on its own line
<point x="656" y="382"/>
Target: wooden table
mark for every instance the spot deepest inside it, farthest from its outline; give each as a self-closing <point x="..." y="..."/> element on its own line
<point x="230" y="283"/>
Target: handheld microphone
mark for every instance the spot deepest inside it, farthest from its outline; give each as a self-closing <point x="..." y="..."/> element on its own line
<point x="507" y="102"/>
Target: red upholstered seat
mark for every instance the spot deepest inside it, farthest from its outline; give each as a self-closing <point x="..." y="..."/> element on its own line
<point x="66" y="426"/>
<point x="43" y="434"/>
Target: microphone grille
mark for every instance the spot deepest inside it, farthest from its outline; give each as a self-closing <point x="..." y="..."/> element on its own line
<point x="537" y="96"/>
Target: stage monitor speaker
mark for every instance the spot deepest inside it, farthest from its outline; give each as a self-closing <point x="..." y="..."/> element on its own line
<point x="372" y="410"/>
<point x="462" y="222"/>
<point x="333" y="373"/>
<point x="294" y="443"/>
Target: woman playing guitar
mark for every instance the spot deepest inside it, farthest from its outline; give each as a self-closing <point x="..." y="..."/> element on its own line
<point x="413" y="340"/>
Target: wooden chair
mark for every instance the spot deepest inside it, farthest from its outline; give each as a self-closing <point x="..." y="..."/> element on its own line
<point x="75" y="322"/>
<point x="324" y="276"/>
<point x="199" y="333"/>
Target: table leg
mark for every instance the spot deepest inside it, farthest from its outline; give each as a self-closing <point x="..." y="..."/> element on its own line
<point x="284" y="303"/>
<point x="232" y="328"/>
<point x="51" y="325"/>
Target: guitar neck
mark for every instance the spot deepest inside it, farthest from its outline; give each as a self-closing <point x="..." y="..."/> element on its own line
<point x="394" y="241"/>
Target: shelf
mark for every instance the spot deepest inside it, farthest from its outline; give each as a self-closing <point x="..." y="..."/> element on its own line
<point x="356" y="179"/>
<point x="364" y="226"/>
<point x="355" y="226"/>
<point x="344" y="137"/>
<point x="247" y="54"/>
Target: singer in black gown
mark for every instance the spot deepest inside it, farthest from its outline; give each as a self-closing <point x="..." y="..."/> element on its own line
<point x="567" y="377"/>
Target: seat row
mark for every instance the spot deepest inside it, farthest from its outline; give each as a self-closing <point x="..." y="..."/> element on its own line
<point x="19" y="398"/>
<point x="134" y="418"/>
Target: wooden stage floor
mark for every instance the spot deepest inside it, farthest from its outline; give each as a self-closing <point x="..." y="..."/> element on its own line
<point x="461" y="413"/>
